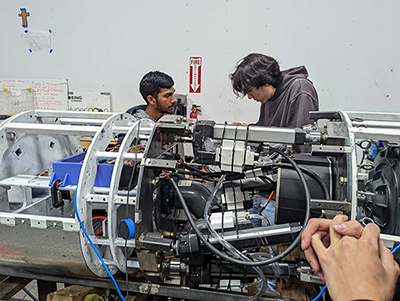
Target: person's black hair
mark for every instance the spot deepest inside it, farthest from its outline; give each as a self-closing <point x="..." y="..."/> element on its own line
<point x="152" y="83"/>
<point x="255" y="70"/>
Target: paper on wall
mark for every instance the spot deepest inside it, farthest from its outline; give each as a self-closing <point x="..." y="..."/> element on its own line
<point x="39" y="40"/>
<point x="49" y="94"/>
<point x="89" y="101"/>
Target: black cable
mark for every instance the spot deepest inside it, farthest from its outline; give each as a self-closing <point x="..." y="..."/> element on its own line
<point x="154" y="207"/>
<point x="230" y="278"/>
<point x="278" y="257"/>
<point x="187" y="166"/>
<point x="365" y="153"/>
<point x="245" y="146"/>
<point x="200" y="173"/>
<point x="219" y="264"/>
<point x="365" y="148"/>
<point x="222" y="139"/>
<point x="233" y="150"/>
<point x="203" y="173"/>
<point x="201" y="176"/>
<point x="222" y="219"/>
<point x="126" y="269"/>
<point x="267" y="180"/>
<point x="236" y="216"/>
<point x="222" y="207"/>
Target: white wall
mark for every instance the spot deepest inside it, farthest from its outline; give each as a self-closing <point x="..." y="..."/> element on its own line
<point x="350" y="48"/>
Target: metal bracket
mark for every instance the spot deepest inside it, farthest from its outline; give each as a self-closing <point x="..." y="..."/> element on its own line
<point x="330" y="205"/>
<point x="308" y="275"/>
<point x="329" y="150"/>
<point x="72" y="226"/>
<point x="38" y="223"/>
<point x="9" y="221"/>
<point x="149" y="288"/>
<point x="165" y="164"/>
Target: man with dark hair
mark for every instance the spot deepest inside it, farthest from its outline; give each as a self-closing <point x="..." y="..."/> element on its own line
<point x="286" y="99"/>
<point x="157" y="90"/>
<point x="286" y="96"/>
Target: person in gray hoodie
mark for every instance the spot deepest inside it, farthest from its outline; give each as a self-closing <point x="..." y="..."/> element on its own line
<point x="286" y="97"/>
<point x="157" y="90"/>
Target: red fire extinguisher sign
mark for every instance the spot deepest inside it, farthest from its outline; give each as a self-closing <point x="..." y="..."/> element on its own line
<point x="195" y="74"/>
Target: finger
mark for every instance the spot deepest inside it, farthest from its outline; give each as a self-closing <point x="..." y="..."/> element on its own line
<point x="350" y="228"/>
<point x="314" y="225"/>
<point x="388" y="262"/>
<point x="310" y="254"/>
<point x="326" y="240"/>
<point x="312" y="259"/>
<point x="318" y="245"/>
<point x="335" y="237"/>
<point x="370" y="237"/>
<point x="321" y="276"/>
<point x="371" y="231"/>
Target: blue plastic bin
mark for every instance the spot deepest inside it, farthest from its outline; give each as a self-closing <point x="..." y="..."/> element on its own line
<point x="69" y="169"/>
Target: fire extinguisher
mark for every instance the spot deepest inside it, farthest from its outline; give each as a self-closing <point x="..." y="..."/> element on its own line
<point x="193" y="114"/>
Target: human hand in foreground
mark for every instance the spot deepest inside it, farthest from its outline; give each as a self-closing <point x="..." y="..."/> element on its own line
<point x="339" y="224"/>
<point x="357" y="268"/>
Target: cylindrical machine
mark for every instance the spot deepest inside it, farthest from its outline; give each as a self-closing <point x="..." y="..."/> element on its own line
<point x="40" y="147"/>
<point x="55" y="197"/>
<point x="290" y="196"/>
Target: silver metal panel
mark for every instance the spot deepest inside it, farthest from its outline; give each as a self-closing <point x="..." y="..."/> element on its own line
<point x="376" y="133"/>
<point x="50" y="251"/>
<point x="255" y="133"/>
<point x="376" y="124"/>
<point x="35" y="236"/>
<point x="351" y="168"/>
<point x="377" y="116"/>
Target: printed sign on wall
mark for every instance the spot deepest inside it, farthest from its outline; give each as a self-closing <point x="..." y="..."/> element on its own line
<point x="49" y="94"/>
<point x="89" y="101"/>
<point x="195" y="74"/>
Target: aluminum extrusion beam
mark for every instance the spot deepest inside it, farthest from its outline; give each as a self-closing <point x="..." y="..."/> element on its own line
<point x="374" y="116"/>
<point x="71" y="114"/>
<point x="81" y="121"/>
<point x="259" y="134"/>
<point x="43" y="128"/>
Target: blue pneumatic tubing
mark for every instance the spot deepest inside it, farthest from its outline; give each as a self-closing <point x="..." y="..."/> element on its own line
<point x="94" y="247"/>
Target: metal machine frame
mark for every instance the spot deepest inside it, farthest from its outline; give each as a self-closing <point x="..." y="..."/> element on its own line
<point x="30" y="142"/>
